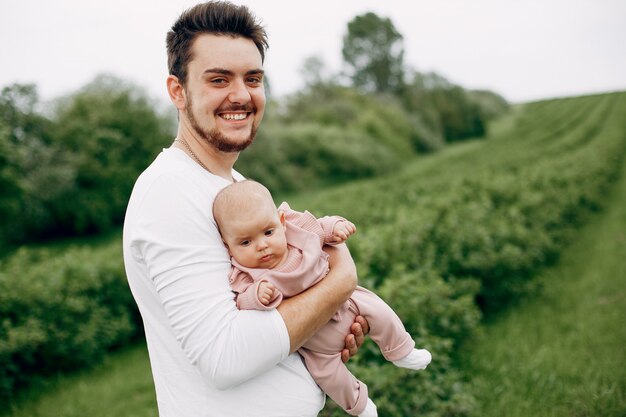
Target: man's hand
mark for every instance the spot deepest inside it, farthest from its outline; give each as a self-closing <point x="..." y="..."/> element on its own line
<point x="355" y="339"/>
<point x="265" y="292"/>
<point x="342" y="231"/>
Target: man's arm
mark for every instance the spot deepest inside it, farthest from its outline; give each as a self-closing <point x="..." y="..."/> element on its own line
<point x="181" y="266"/>
<point x="305" y="313"/>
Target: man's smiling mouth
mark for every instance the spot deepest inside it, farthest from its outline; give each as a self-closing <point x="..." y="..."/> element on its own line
<point x="233" y="116"/>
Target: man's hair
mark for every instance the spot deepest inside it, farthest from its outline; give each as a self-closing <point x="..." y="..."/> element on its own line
<point x="214" y="17"/>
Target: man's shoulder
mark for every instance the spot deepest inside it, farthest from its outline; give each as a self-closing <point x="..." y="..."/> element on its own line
<point x="164" y="165"/>
<point x="171" y="171"/>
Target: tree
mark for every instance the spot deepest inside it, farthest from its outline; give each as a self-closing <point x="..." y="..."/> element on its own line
<point x="34" y="171"/>
<point x="445" y="107"/>
<point x="114" y="132"/>
<point x="374" y="50"/>
<point x="72" y="172"/>
<point x="314" y="72"/>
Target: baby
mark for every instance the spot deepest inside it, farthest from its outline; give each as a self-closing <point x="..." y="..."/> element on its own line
<point x="277" y="254"/>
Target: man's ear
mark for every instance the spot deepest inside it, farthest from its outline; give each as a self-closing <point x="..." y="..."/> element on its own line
<point x="176" y="92"/>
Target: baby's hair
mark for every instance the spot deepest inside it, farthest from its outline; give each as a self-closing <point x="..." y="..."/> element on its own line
<point x="239" y="196"/>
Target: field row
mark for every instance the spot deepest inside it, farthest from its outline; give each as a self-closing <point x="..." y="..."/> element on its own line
<point x="477" y="227"/>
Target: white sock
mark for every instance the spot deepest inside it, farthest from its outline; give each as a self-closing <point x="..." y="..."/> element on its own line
<point x="417" y="359"/>
<point x="370" y="410"/>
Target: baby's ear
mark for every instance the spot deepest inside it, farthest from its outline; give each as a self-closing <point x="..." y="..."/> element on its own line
<point x="281" y="216"/>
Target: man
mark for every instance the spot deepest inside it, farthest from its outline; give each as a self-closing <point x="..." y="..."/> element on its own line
<point x="207" y="357"/>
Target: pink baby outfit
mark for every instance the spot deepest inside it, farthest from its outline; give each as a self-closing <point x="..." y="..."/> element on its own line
<point x="306" y="264"/>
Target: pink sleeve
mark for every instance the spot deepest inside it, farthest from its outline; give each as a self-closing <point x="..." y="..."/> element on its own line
<point x="246" y="291"/>
<point x="328" y="224"/>
<point x="307" y="221"/>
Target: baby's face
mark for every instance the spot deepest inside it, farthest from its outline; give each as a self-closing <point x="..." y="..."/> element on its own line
<point x="256" y="239"/>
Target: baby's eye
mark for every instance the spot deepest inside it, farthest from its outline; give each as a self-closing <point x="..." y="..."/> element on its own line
<point x="269" y="232"/>
<point x="244" y="242"/>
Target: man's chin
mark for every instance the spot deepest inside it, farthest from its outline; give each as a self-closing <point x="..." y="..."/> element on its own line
<point x="233" y="146"/>
<point x="225" y="143"/>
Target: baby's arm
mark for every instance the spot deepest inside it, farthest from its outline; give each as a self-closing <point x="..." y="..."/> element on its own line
<point x="336" y="229"/>
<point x="250" y="295"/>
<point x="342" y="231"/>
<point x="266" y="292"/>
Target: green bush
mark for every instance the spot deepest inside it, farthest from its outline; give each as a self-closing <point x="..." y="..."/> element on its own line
<point x="380" y="116"/>
<point x="71" y="172"/>
<point x="61" y="311"/>
<point x="301" y="156"/>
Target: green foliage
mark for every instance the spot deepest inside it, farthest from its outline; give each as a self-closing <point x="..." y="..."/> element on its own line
<point x="299" y="156"/>
<point x="34" y="171"/>
<point x="491" y="105"/>
<point x="72" y="172"/>
<point x="449" y="109"/>
<point x="374" y="51"/>
<point x="475" y="225"/>
<point x="439" y="110"/>
<point x="381" y="117"/>
<point x="329" y="134"/>
<point x="557" y="354"/>
<point x="61" y="312"/>
<point x="115" y="133"/>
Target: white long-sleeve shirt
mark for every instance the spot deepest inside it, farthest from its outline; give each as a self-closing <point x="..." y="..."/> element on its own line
<point x="207" y="357"/>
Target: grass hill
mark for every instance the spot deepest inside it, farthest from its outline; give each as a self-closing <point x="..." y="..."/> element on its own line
<point x="561" y="351"/>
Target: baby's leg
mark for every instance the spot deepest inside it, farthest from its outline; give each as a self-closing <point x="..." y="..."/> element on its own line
<point x="386" y="328"/>
<point x="336" y="380"/>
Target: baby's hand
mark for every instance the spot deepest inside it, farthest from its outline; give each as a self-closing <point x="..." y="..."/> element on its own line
<point x="342" y="231"/>
<point x="265" y="292"/>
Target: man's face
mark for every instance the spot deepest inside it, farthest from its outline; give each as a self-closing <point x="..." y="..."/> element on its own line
<point x="224" y="93"/>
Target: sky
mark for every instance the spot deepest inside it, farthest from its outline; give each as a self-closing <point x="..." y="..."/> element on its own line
<point x="524" y="50"/>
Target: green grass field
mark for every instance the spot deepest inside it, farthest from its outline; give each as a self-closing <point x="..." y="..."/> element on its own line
<point x="121" y="386"/>
<point x="561" y="352"/>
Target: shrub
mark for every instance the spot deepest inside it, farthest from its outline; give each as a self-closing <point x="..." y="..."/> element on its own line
<point x="60" y="312"/>
<point x="301" y="156"/>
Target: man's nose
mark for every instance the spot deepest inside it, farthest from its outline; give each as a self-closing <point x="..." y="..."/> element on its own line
<point x="239" y="93"/>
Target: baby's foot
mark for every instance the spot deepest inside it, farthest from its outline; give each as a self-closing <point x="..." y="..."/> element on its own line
<point x="417" y="359"/>
<point x="370" y="410"/>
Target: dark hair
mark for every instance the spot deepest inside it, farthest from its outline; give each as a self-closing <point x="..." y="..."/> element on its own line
<point x="216" y="17"/>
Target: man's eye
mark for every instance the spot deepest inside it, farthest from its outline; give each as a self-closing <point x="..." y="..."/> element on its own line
<point x="254" y="80"/>
<point x="218" y="81"/>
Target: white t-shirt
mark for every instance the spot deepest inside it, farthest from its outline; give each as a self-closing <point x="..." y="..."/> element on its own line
<point x="207" y="357"/>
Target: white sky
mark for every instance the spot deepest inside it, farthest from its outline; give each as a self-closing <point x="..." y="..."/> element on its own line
<point x="522" y="49"/>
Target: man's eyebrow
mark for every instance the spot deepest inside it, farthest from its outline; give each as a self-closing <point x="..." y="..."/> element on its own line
<point x="224" y="71"/>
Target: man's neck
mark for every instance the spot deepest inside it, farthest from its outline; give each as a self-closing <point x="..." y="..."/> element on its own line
<point x="215" y="161"/>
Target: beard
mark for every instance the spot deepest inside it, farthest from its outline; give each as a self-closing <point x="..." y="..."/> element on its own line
<point x="216" y="138"/>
